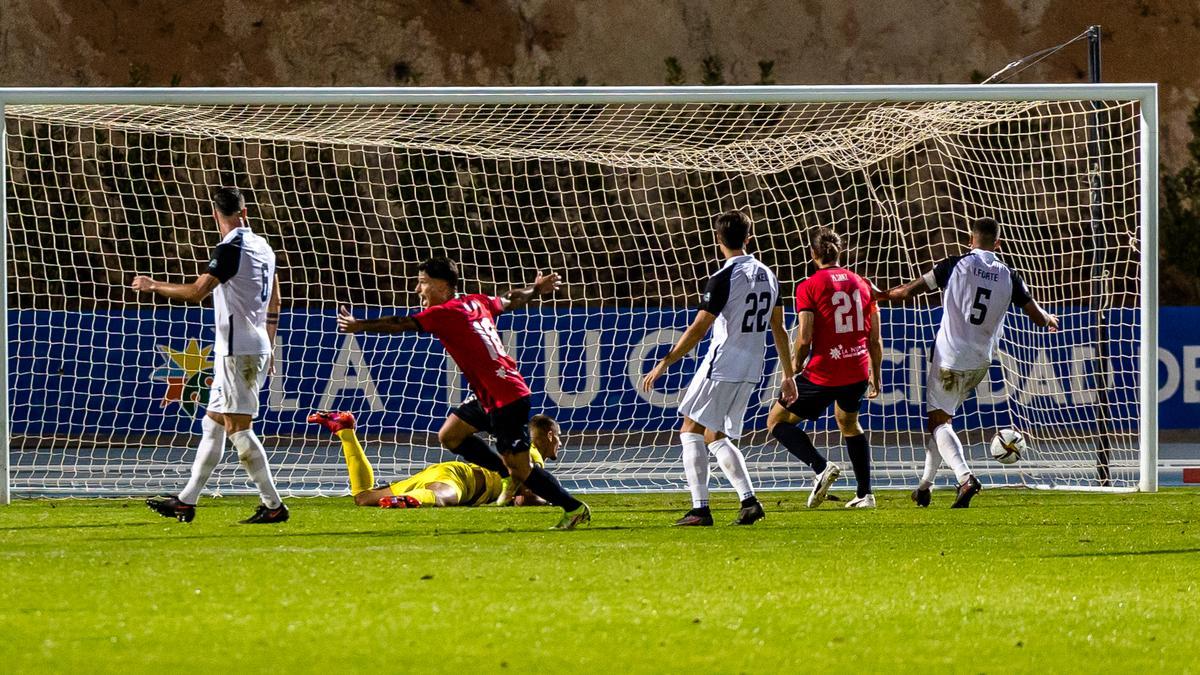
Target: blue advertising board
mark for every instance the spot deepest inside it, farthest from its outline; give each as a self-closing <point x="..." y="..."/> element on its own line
<point x="78" y="372"/>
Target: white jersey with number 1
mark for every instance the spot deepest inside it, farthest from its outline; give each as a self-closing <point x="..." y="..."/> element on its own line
<point x="245" y="265"/>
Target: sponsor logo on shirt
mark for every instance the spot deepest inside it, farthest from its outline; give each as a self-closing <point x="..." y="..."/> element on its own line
<point x="838" y="352"/>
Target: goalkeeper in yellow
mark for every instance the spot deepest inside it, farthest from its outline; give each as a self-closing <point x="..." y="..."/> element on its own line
<point x="441" y="484"/>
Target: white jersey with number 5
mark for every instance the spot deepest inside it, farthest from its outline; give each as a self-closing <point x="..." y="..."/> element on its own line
<point x="245" y="265"/>
<point x="977" y="289"/>
<point x="741" y="295"/>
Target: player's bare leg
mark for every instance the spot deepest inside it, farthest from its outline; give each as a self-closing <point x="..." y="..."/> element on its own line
<point x="695" y="469"/>
<point x="457" y="436"/>
<point x="784" y="427"/>
<point x="858" y="449"/>
<point x="950" y="448"/>
<point x="733" y="465"/>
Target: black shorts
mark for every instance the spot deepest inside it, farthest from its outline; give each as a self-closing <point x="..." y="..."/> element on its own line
<point x="812" y="400"/>
<point x="509" y="425"/>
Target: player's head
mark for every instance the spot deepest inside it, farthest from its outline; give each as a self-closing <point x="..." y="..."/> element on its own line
<point x="229" y="206"/>
<point x="825" y="246"/>
<point x="437" y="281"/>
<point x="733" y="230"/>
<point x="985" y="232"/>
<point x="545" y="433"/>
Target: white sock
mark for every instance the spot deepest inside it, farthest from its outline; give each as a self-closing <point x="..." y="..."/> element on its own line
<point x="695" y="467"/>
<point x="254" y="457"/>
<point x="933" y="462"/>
<point x="952" y="451"/>
<point x="730" y="459"/>
<point x="208" y="456"/>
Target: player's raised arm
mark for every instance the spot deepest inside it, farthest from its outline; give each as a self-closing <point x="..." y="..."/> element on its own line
<point x="385" y="324"/>
<point x="195" y="292"/>
<point x="517" y="298"/>
<point x="686" y="343"/>
<point x="779" y="333"/>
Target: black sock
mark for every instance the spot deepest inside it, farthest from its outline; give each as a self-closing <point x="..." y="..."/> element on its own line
<point x="700" y="510"/>
<point x="546" y="486"/>
<point x="799" y="444"/>
<point x="749" y="501"/>
<point x="475" y="451"/>
<point x="860" y="457"/>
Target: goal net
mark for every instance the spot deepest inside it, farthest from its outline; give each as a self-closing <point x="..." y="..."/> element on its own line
<point x="107" y="386"/>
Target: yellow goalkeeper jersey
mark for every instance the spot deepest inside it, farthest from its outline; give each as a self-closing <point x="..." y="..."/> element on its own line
<point x="475" y="485"/>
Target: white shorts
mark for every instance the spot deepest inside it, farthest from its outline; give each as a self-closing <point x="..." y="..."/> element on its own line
<point x="236" y="383"/>
<point x="718" y="406"/>
<point x="946" y="389"/>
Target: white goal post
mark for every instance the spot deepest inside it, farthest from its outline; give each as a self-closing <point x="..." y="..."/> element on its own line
<point x="616" y="188"/>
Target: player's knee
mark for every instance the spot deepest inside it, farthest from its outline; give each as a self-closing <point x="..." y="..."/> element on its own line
<point x="849" y="426"/>
<point x="449" y="438"/>
<point x="936" y="419"/>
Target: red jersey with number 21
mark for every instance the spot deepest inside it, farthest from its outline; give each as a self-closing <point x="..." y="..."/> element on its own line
<point x="466" y="326"/>
<point x="842" y="308"/>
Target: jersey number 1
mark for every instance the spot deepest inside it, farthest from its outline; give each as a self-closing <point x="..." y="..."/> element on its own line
<point x="491" y="339"/>
<point x="843" y="303"/>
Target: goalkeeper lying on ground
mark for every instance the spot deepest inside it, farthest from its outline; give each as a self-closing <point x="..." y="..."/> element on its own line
<point x="442" y="484"/>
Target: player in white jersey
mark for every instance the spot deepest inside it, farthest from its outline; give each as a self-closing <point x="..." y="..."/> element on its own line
<point x="241" y="278"/>
<point x="977" y="289"/>
<point x="739" y="303"/>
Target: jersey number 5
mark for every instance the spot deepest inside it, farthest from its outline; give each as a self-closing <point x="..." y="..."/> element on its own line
<point x="755" y="319"/>
<point x="979" y="310"/>
<point x="843" y="303"/>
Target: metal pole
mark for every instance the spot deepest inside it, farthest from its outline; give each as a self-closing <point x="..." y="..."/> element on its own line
<point x="1101" y="275"/>
<point x="1148" y="430"/>
<point x="5" y="491"/>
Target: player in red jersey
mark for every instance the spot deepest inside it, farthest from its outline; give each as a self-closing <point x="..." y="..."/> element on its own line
<point x="839" y="336"/>
<point x="466" y="327"/>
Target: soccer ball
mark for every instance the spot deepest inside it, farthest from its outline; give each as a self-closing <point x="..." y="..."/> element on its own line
<point x="1007" y="446"/>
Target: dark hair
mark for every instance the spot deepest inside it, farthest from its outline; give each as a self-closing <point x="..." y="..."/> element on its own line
<point x="229" y="201"/>
<point x="440" y="268"/>
<point x="986" y="228"/>
<point x="543" y="423"/>
<point x="733" y="229"/>
<point x="826" y="244"/>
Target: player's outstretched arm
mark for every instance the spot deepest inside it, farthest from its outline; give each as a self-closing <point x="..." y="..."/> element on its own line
<point x="195" y="292"/>
<point x="903" y="292"/>
<point x="544" y="284"/>
<point x="779" y="332"/>
<point x="875" y="349"/>
<point x="1040" y="316"/>
<point x="687" y="342"/>
<point x="384" y="324"/>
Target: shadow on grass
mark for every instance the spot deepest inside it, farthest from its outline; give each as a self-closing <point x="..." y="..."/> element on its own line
<point x="1117" y="554"/>
<point x="76" y="526"/>
<point x="249" y="533"/>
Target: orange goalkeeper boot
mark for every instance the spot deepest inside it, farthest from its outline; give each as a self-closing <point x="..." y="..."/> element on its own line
<point x="332" y="420"/>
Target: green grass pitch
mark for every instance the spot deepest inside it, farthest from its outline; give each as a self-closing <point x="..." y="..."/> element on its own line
<point x="1023" y="581"/>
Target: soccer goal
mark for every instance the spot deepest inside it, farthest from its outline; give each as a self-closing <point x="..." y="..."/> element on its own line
<point x="616" y="189"/>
